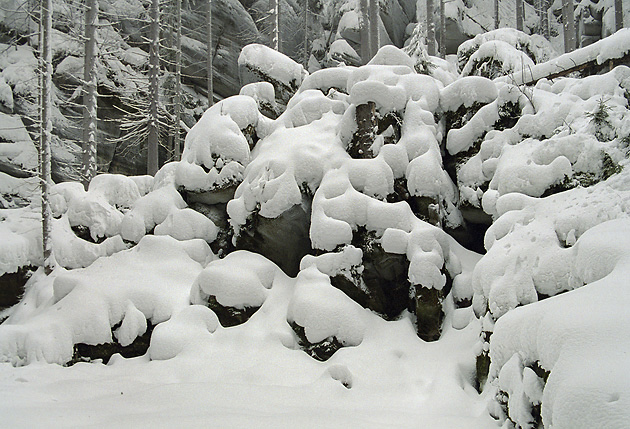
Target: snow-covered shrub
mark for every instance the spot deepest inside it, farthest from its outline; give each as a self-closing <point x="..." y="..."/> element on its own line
<point x="496" y="58"/>
<point x="536" y="47"/>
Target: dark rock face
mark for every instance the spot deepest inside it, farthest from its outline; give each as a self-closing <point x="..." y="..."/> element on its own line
<point x="322" y="351"/>
<point x="230" y="316"/>
<point x="283" y="240"/>
<point x="382" y="286"/>
<point x="89" y="352"/>
<point x="12" y="286"/>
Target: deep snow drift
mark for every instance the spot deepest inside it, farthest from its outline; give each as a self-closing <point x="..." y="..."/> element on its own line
<point x="359" y="188"/>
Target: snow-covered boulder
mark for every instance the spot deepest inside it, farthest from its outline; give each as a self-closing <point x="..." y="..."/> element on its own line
<point x="258" y="63"/>
<point x="234" y="287"/>
<point x="566" y="357"/>
<point x="323" y="318"/>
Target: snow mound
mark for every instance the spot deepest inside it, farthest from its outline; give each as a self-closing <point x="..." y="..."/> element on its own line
<point x="86" y="303"/>
<point x="580" y="338"/>
<point x="239" y="280"/>
<point x="324" y="311"/>
<point x="496" y="58"/>
<point x="531" y="246"/>
<point x="182" y="332"/>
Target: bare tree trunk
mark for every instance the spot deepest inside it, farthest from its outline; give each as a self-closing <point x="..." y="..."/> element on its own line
<point x="374" y="25"/>
<point x="154" y="91"/>
<point x="274" y="6"/>
<point x="306" y="51"/>
<point x="442" y="30"/>
<point x="90" y="100"/>
<point x="519" y="15"/>
<point x="210" y="57"/>
<point x="568" y="25"/>
<point x="178" y="80"/>
<point x="543" y="8"/>
<point x="618" y="15"/>
<point x="364" y="28"/>
<point x="430" y="29"/>
<point x="496" y="14"/>
<point x="46" y="135"/>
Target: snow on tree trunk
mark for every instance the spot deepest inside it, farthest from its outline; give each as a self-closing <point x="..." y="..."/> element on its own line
<point x="430" y="29"/>
<point x="568" y="25"/>
<point x="374" y="24"/>
<point x="154" y="66"/>
<point x="364" y="27"/>
<point x="178" y="80"/>
<point x="519" y="15"/>
<point x="496" y="14"/>
<point x="90" y="94"/>
<point x="274" y="6"/>
<point x="210" y="57"/>
<point x="46" y="135"/>
<point x="442" y="30"/>
<point x="618" y="15"/>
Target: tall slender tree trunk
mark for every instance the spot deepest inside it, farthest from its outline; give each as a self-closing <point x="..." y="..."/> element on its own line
<point x="442" y="30"/>
<point x="519" y="15"/>
<point x="543" y="15"/>
<point x="430" y="28"/>
<point x="274" y="5"/>
<point x="306" y="51"/>
<point x="210" y="57"/>
<point x="618" y="15"/>
<point x="568" y="24"/>
<point x="496" y="14"/>
<point x="178" y="80"/>
<point x="364" y="29"/>
<point x="46" y="135"/>
<point x="154" y="91"/>
<point x="374" y="25"/>
<point x="90" y="100"/>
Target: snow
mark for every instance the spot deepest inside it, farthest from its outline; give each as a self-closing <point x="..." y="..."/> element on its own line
<point x="324" y="311"/>
<point x="16" y="145"/>
<point x="86" y="303"/>
<point x="467" y="91"/>
<point x="510" y="58"/>
<point x="580" y="337"/>
<point x="273" y="64"/>
<point x="610" y="48"/>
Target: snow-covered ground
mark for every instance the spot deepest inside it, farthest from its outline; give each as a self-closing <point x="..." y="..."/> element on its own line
<point x="234" y="341"/>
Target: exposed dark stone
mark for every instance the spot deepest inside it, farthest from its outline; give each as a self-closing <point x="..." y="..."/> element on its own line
<point x="429" y="313"/>
<point x="482" y="363"/>
<point x="230" y="316"/>
<point x="89" y="352"/>
<point x="363" y="138"/>
<point x="284" y="240"/>
<point x="383" y="286"/>
<point x="83" y="232"/>
<point x="322" y="350"/>
<point x="217" y="213"/>
<point x="12" y="286"/>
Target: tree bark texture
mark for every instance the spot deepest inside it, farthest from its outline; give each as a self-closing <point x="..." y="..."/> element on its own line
<point x="430" y="29"/>
<point x="618" y="15"/>
<point x="519" y="15"/>
<point x="374" y="25"/>
<point x="364" y="29"/>
<point x="46" y="134"/>
<point x="178" y="80"/>
<point x="568" y="25"/>
<point x="90" y="100"/>
<point x="210" y="57"/>
<point x="154" y="90"/>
